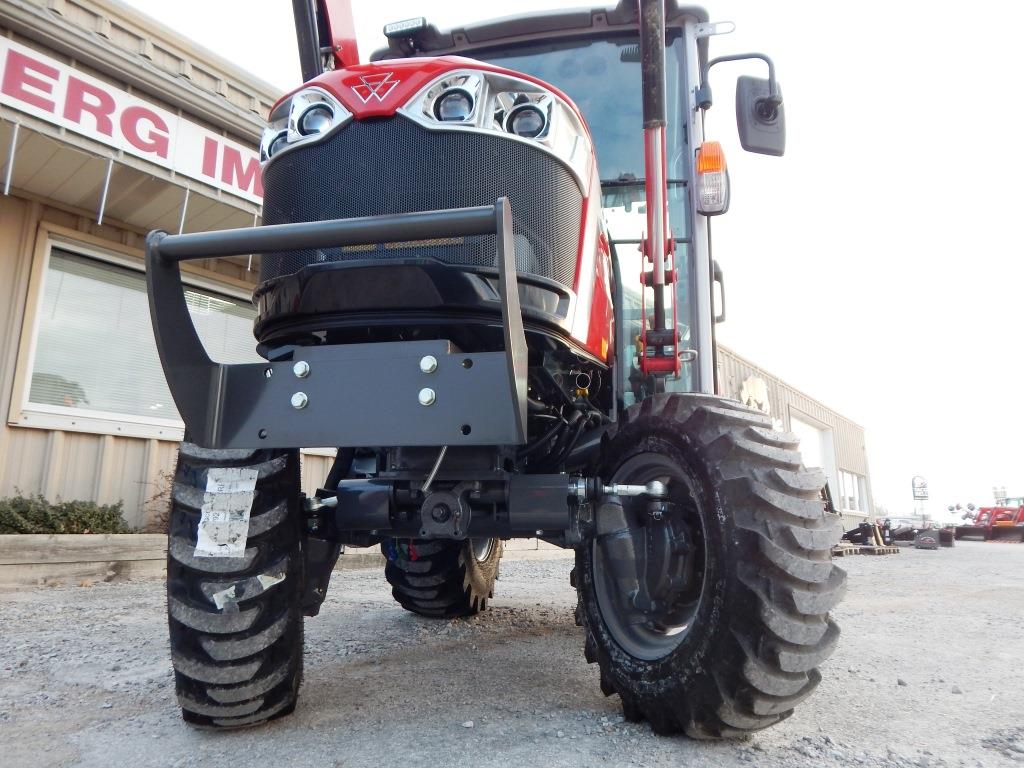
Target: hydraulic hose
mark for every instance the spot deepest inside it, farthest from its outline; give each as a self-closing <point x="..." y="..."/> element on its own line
<point x="533" y="448"/>
<point x="570" y="443"/>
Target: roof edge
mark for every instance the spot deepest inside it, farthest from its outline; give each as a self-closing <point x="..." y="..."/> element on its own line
<point x="761" y="369"/>
<point x="45" y="24"/>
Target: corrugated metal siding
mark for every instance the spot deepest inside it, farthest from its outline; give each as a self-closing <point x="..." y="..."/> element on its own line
<point x="18" y="221"/>
<point x="848" y="436"/>
<point x="77" y="465"/>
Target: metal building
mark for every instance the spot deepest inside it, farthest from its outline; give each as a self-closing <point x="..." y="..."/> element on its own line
<point x="112" y="125"/>
<point x="827" y="439"/>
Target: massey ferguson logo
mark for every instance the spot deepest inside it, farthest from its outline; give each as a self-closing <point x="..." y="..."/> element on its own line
<point x="375" y="86"/>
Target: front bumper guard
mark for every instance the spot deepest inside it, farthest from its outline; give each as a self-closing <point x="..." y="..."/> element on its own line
<point x="352" y="395"/>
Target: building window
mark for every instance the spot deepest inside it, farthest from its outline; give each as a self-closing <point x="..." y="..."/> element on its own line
<point x="851" y="492"/>
<point x="94" y="352"/>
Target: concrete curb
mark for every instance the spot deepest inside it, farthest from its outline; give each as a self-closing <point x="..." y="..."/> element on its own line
<point x="40" y="559"/>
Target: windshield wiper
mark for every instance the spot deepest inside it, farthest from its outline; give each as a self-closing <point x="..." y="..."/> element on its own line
<point x="629" y="181"/>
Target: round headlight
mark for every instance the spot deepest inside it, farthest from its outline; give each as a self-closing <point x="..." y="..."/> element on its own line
<point x="316" y="119"/>
<point x="454" y="105"/>
<point x="275" y="146"/>
<point x="527" y="121"/>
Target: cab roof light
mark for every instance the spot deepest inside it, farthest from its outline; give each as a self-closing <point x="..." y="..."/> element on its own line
<point x="712" y="180"/>
<point x="406" y="28"/>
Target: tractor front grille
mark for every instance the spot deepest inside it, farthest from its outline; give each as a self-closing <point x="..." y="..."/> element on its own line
<point x="392" y="165"/>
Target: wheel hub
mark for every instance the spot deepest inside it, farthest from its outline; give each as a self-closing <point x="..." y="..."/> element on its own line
<point x="649" y="559"/>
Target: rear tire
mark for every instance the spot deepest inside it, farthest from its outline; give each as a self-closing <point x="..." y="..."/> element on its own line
<point x="441" y="578"/>
<point x="236" y="623"/>
<point x="757" y="626"/>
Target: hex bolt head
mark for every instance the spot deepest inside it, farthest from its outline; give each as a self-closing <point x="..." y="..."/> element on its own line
<point x="428" y="364"/>
<point x="301" y="369"/>
<point x="427" y="396"/>
<point x="300" y="400"/>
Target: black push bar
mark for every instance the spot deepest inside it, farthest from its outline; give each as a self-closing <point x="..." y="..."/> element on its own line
<point x="335" y="233"/>
<point x="421" y="393"/>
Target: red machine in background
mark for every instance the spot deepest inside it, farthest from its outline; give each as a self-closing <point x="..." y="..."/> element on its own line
<point x="997" y="523"/>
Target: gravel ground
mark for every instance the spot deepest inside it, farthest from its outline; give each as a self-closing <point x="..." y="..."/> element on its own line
<point x="929" y="672"/>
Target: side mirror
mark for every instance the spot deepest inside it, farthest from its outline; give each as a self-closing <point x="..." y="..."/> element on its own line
<point x="760" y="118"/>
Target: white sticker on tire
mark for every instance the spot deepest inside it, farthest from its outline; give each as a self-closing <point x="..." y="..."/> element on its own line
<point x="224" y="522"/>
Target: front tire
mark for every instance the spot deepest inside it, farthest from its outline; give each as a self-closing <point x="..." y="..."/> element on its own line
<point x="745" y="624"/>
<point x="236" y="627"/>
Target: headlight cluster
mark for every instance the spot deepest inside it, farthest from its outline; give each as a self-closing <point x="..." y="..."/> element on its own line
<point x="302" y="118"/>
<point x="466" y="99"/>
<point x="489" y="101"/>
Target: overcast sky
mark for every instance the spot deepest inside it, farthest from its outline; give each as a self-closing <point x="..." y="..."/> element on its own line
<point x="879" y="265"/>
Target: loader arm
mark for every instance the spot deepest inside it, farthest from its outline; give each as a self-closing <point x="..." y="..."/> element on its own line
<point x="324" y="30"/>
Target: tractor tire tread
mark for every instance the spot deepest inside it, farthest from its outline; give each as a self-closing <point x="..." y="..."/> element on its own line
<point x="774" y="630"/>
<point x="236" y="623"/>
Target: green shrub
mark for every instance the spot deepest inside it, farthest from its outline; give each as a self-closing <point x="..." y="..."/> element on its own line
<point x="34" y="514"/>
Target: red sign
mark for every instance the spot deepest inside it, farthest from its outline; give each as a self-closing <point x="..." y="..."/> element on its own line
<point x="50" y="90"/>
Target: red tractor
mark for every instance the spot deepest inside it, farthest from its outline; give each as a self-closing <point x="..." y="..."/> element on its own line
<point x="442" y="301"/>
<point x="1004" y="522"/>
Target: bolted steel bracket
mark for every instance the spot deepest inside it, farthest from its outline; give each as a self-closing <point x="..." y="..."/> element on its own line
<point x="255" y="405"/>
<point x="712" y="28"/>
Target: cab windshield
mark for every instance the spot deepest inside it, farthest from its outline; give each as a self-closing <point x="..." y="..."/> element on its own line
<point x="602" y="77"/>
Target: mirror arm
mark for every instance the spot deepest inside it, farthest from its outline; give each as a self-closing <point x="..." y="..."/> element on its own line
<point x="771" y="103"/>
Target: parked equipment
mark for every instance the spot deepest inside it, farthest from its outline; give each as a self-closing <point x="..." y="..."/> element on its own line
<point x="1000" y="523"/>
<point x="441" y="299"/>
<point x="876" y="534"/>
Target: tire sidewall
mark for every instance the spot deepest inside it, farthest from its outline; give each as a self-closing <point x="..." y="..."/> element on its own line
<point x="687" y="664"/>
